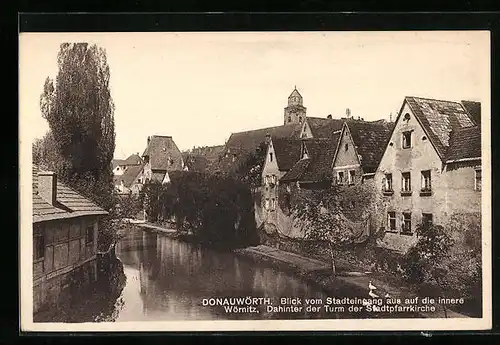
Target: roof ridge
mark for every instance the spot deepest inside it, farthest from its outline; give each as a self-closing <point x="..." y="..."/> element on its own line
<point x="435" y="99"/>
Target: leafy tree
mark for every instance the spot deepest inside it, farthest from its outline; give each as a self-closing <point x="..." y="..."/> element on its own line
<point x="427" y="262"/>
<point x="80" y="112"/>
<point x="215" y="210"/>
<point x="320" y="215"/>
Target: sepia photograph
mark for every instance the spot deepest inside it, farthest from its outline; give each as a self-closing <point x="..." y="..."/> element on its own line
<point x="255" y="181"/>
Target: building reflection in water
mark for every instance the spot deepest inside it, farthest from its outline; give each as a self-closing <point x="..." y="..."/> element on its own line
<point x="174" y="277"/>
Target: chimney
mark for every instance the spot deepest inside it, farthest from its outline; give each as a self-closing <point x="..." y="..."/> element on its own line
<point x="149" y="139"/>
<point x="47" y="186"/>
<point x="329" y="116"/>
<point x="348" y="112"/>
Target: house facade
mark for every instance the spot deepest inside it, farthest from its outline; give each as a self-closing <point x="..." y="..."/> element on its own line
<point x="360" y="148"/>
<point x="161" y="156"/>
<point x="65" y="230"/>
<point x="430" y="170"/>
<point x="281" y="155"/>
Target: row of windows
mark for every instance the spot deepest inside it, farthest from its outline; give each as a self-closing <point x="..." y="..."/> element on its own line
<point x="270" y="204"/>
<point x="270" y="180"/>
<point x="425" y="182"/>
<point x="344" y="177"/>
<point x="42" y="238"/>
<point x="405" y="226"/>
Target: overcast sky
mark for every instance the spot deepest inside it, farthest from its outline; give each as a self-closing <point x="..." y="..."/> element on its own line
<point x="200" y="87"/>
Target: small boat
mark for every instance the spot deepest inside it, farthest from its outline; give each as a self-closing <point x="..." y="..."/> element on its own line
<point x="371" y="286"/>
<point x="372" y="294"/>
<point x="387" y="295"/>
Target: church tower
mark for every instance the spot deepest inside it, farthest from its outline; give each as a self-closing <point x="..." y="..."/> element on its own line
<point x="295" y="112"/>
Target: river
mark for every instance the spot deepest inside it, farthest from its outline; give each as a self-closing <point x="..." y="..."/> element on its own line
<point x="157" y="278"/>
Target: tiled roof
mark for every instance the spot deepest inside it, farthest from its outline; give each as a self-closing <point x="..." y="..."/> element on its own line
<point x="70" y="204"/>
<point x="117" y="162"/>
<point x="465" y="143"/>
<point x="370" y="139"/>
<point x="318" y="166"/>
<point x="129" y="176"/>
<point x="474" y="110"/>
<point x="249" y="141"/>
<point x="160" y="149"/>
<point x="324" y="128"/>
<point x="439" y="118"/>
<point x="298" y="169"/>
<point x="287" y="152"/>
<point x="157" y="176"/>
<point x="133" y="159"/>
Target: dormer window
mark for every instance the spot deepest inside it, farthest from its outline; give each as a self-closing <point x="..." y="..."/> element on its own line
<point x="270" y="156"/>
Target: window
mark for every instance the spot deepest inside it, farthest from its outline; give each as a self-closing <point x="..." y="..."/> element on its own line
<point x="426" y="182"/>
<point x="38" y="246"/>
<point x="270" y="156"/>
<point x="273" y="204"/>
<point x="478" y="180"/>
<point x="391" y="221"/>
<point x="266" y="205"/>
<point x="407" y="139"/>
<point x="346" y="147"/>
<point x="405" y="182"/>
<point x="352" y="175"/>
<point x="89" y="234"/>
<point x="289" y="119"/>
<point x="300" y="119"/>
<point x="388" y="183"/>
<point x="406" y="223"/>
<point x="340" y="177"/>
<point x="426" y="219"/>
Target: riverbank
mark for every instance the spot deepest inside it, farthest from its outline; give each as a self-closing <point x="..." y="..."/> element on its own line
<point x="318" y="272"/>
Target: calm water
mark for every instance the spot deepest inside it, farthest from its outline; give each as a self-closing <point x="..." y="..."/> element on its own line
<point x="157" y="278"/>
<point x="167" y="279"/>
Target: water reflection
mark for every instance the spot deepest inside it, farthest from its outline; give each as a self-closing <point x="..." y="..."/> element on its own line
<point x="170" y="278"/>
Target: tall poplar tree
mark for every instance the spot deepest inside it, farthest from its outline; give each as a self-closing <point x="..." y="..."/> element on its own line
<point x="80" y="111"/>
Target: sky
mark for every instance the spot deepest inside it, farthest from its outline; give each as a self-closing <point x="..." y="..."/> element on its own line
<point x="201" y="87"/>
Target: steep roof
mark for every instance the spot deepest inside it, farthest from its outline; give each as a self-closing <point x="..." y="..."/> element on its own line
<point x="287" y="152"/>
<point x="370" y="139"/>
<point x="438" y="118"/>
<point x="69" y="203"/>
<point x="324" y="128"/>
<point x="160" y="149"/>
<point x="129" y="175"/>
<point x="133" y="159"/>
<point x="117" y="162"/>
<point x="318" y="166"/>
<point x="249" y="141"/>
<point x="474" y="110"/>
<point x="465" y="143"/>
<point x="294" y="93"/>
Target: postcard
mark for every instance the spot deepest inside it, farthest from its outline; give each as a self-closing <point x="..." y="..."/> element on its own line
<point x="255" y="181"/>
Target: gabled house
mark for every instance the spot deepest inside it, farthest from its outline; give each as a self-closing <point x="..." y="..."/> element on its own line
<point x="360" y="148"/>
<point x="161" y="156"/>
<point x="120" y="165"/>
<point x="65" y="231"/>
<point x="318" y="127"/>
<point x="281" y="155"/>
<point x="130" y="182"/>
<point x="430" y="169"/>
<point x="314" y="169"/>
<point x="241" y="144"/>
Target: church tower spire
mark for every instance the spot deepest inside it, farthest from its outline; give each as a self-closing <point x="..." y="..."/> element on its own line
<point x="295" y="112"/>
